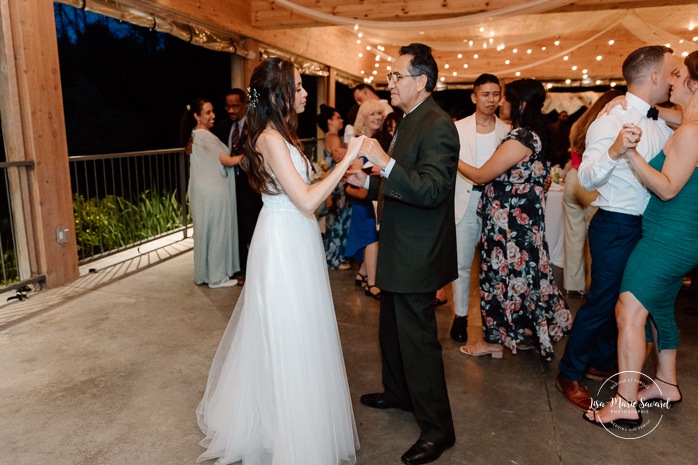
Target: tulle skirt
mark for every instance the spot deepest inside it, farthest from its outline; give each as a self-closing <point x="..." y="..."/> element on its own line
<point x="277" y="393"/>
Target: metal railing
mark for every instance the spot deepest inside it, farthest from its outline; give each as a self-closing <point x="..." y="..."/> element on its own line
<point x="122" y="200"/>
<point x="125" y="199"/>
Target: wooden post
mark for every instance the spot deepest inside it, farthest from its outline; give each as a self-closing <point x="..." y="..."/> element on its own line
<point x="35" y="107"/>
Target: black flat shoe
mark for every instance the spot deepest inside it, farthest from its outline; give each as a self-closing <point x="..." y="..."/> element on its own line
<point x="658" y="401"/>
<point x="377" y="400"/>
<point x="459" y="330"/>
<point x="359" y="282"/>
<point x="425" y="452"/>
<point x="622" y="422"/>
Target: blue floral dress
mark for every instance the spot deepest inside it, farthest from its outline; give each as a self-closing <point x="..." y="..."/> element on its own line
<point x="521" y="304"/>
<point x="336" y="222"/>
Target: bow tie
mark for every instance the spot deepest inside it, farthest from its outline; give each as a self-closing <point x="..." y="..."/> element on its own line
<point x="653" y="113"/>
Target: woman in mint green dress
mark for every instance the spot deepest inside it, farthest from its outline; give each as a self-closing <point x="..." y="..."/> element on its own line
<point x="667" y="251"/>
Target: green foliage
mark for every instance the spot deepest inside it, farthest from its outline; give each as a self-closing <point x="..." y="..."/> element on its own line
<point x="112" y="222"/>
<point x="9" y="266"/>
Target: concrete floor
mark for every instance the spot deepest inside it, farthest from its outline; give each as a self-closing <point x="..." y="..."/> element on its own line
<point x="109" y="371"/>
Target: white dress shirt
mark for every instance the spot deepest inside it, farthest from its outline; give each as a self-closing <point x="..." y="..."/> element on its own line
<point x="619" y="189"/>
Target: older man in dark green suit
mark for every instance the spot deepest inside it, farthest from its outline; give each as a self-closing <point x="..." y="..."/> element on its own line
<point x="417" y="250"/>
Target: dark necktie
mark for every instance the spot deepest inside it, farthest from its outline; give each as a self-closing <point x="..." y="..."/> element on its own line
<point x="235" y="139"/>
<point x="381" y="197"/>
<point x="653" y="113"/>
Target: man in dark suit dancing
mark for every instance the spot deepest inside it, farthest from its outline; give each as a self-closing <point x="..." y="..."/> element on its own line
<point x="417" y="249"/>
<point x="233" y="132"/>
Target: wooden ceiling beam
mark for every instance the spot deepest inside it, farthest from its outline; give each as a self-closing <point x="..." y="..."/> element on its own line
<point x="270" y="15"/>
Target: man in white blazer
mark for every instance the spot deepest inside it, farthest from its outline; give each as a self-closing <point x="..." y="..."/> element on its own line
<point x="480" y="134"/>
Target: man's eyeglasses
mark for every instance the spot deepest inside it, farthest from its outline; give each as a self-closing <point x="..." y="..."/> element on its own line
<point x="395" y="77"/>
<point x="234" y="106"/>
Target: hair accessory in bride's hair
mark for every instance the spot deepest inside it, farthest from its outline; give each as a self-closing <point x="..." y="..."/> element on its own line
<point x="254" y="96"/>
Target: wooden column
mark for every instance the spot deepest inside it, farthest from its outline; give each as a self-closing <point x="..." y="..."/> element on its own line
<point x="332" y="87"/>
<point x="35" y="106"/>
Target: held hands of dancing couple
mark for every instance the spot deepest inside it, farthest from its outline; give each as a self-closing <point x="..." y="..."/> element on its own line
<point x="372" y="150"/>
<point x="666" y="183"/>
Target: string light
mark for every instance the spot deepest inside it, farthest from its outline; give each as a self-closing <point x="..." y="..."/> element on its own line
<point x="518" y="73"/>
<point x="446" y="66"/>
<point x="529" y="51"/>
<point x="613" y="84"/>
<point x="599" y="58"/>
<point x="611" y="42"/>
<point x="506" y="62"/>
<point x="460" y="55"/>
<point x="476" y="56"/>
<point x="557" y="42"/>
<point x="568" y="81"/>
<point x="565" y="58"/>
<point x="574" y="68"/>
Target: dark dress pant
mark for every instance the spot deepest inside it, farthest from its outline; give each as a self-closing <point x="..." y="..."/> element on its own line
<point x="593" y="339"/>
<point x="413" y="370"/>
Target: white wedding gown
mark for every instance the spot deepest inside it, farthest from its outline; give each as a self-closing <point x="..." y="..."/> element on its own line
<point x="277" y="393"/>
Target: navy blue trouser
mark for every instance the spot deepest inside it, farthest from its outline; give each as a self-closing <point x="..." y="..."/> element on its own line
<point x="593" y="339"/>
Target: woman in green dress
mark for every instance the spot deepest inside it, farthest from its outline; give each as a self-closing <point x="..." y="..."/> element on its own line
<point x="667" y="251"/>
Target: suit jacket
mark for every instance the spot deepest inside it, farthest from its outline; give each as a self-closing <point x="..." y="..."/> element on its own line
<point x="222" y="130"/>
<point x="467" y="133"/>
<point x="417" y="250"/>
<point x="247" y="198"/>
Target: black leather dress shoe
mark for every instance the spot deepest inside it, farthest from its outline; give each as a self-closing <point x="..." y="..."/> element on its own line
<point x="425" y="452"/>
<point x="459" y="330"/>
<point x="377" y="400"/>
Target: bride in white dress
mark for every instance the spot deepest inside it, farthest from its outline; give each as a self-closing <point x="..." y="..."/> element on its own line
<point x="277" y="393"/>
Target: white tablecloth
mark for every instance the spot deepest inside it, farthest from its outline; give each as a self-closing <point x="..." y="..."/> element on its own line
<point x="554" y="228"/>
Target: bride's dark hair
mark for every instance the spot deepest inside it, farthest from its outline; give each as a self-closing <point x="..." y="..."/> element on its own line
<point x="271" y="103"/>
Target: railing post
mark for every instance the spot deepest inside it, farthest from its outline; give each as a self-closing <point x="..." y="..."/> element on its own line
<point x="183" y="190"/>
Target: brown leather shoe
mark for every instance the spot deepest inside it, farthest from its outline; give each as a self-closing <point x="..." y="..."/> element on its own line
<point x="574" y="391"/>
<point x="599" y="375"/>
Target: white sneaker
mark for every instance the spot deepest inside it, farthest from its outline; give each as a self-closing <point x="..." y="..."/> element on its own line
<point x="226" y="283"/>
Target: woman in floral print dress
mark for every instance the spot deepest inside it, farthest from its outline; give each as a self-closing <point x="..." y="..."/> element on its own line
<point x="522" y="307"/>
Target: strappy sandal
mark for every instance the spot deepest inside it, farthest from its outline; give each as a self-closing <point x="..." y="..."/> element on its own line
<point x="368" y="292"/>
<point x="622" y="422"/>
<point x="664" y="402"/>
<point x="481" y="348"/>
<point x="360" y="282"/>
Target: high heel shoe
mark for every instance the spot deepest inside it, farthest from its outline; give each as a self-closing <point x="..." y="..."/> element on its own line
<point x="368" y="292"/>
<point x="622" y="422"/>
<point x="480" y="348"/>
<point x="664" y="402"/>
<point x="359" y="282"/>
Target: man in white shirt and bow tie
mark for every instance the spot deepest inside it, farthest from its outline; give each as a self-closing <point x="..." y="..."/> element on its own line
<point x="616" y="227"/>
